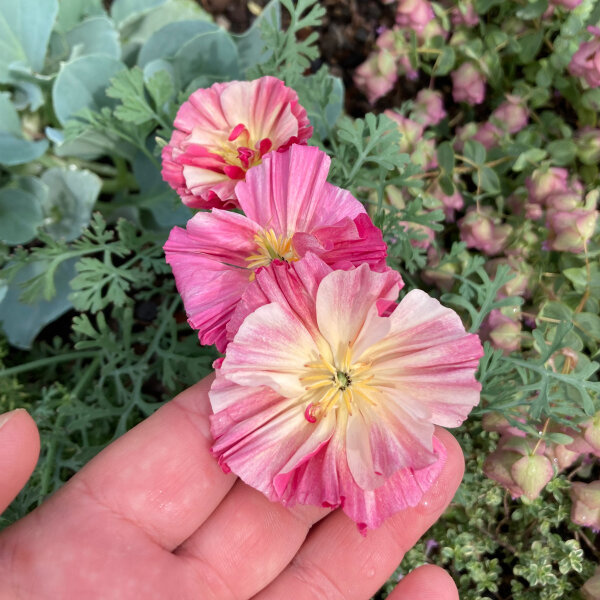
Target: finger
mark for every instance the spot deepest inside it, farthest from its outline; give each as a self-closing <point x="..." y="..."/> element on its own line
<point x="337" y="562"/>
<point x="19" y="451"/>
<point x="160" y="476"/>
<point x="426" y="583"/>
<point x="246" y="543"/>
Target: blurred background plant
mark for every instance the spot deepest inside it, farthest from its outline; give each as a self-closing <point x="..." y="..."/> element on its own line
<point x="469" y="129"/>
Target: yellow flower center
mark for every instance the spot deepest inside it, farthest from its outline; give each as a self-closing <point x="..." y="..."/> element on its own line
<point x="270" y="247"/>
<point x="329" y="385"/>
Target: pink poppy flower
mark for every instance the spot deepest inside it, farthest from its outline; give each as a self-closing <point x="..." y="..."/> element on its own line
<point x="222" y="131"/>
<point x="329" y="391"/>
<point x="289" y="209"/>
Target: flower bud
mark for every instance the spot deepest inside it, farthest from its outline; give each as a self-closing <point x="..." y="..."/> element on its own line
<point x="487" y="135"/>
<point x="569" y="231"/>
<point x="440" y="276"/>
<point x="586" y="61"/>
<point x="570" y="4"/>
<point x="449" y="203"/>
<point x="503" y="332"/>
<point x="414" y="14"/>
<point x="429" y="108"/>
<point x="544" y="182"/>
<point x="512" y="115"/>
<point x="498" y="466"/>
<point x="586" y="504"/>
<point x="591" y="433"/>
<point x="425" y="233"/>
<point x="494" y="421"/>
<point x="411" y="131"/>
<point x="468" y="84"/>
<point x="531" y="474"/>
<point x="484" y="231"/>
<point x="464" y="14"/>
<point x="588" y="145"/>
<point x="377" y="75"/>
<point x="591" y="588"/>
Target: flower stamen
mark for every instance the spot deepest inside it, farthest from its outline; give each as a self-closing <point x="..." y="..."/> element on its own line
<point x="270" y="247"/>
<point x="328" y="386"/>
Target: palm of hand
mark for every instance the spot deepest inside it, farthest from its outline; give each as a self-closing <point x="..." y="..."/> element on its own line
<point x="153" y="516"/>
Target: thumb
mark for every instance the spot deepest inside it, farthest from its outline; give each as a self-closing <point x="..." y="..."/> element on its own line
<point x="426" y="583"/>
<point x="19" y="451"/>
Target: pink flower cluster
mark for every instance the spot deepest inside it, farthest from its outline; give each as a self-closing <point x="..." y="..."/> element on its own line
<point x="329" y="390"/>
<point x="586" y="61"/>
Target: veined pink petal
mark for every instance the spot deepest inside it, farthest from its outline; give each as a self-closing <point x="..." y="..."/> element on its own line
<point x="222" y="131"/>
<point x="224" y="236"/>
<point x="344" y="299"/>
<point x="428" y="350"/>
<point x="346" y="243"/>
<point x="270" y="348"/>
<point x="405" y="488"/>
<point x="289" y="192"/>
<point x="209" y="289"/>
<point x="295" y="288"/>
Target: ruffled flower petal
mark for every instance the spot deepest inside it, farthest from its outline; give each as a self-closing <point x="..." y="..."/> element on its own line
<point x="289" y="192"/>
<point x="210" y="290"/>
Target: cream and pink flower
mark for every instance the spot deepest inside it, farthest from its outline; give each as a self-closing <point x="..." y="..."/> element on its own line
<point x="289" y="209"/>
<point x="329" y="391"/>
<point x="222" y="131"/>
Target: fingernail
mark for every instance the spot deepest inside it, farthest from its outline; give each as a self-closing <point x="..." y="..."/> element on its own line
<point x="6" y="417"/>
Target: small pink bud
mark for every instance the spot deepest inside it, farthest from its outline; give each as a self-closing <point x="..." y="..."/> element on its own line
<point x="426" y="233"/>
<point x="591" y="588"/>
<point x="569" y="231"/>
<point x="544" y="182"/>
<point x="512" y="115"/>
<point x="464" y="15"/>
<point x="487" y="135"/>
<point x="429" y="107"/>
<point x="531" y="474"/>
<point x="468" y="84"/>
<point x="411" y="131"/>
<point x="414" y="14"/>
<point x="494" y="421"/>
<point x="586" y="62"/>
<point x="503" y="332"/>
<point x="498" y="466"/>
<point x="449" y="203"/>
<point x="377" y="75"/>
<point x="586" y="504"/>
<point x="484" y="231"/>
<point x="591" y="432"/>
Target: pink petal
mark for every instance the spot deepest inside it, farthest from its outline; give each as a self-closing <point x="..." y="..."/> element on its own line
<point x="288" y="192"/>
<point x="271" y="440"/>
<point x="271" y="348"/>
<point x="224" y="236"/>
<point x="345" y="243"/>
<point x="344" y="299"/>
<point x="293" y="286"/>
<point x="210" y="290"/>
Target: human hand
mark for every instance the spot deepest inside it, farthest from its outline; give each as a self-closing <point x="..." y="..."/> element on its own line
<point x="153" y="516"/>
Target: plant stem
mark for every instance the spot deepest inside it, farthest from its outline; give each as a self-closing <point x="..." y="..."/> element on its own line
<point x="42" y="362"/>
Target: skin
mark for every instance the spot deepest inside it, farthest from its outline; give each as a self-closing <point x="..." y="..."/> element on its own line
<point x="153" y="516"/>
